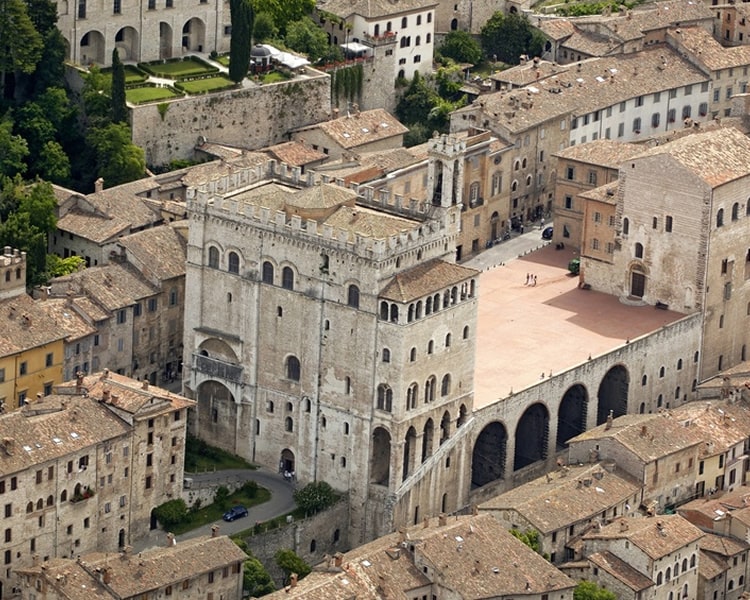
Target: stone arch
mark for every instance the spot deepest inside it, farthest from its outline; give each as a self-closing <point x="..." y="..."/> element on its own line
<point x="193" y="35"/>
<point x="571" y="416"/>
<point x="613" y="394"/>
<point x="287" y="462"/>
<point x="91" y="48"/>
<point x="380" y="460"/>
<point x="488" y="455"/>
<point x="428" y="435"/>
<point x="166" y="40"/>
<point x="127" y="44"/>
<point x="217" y="414"/>
<point x="216" y="348"/>
<point x="532" y="434"/>
<point x="410" y="447"/>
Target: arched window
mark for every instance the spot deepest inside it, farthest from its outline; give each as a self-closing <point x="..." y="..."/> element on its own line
<point x="386" y="355"/>
<point x="639" y="250"/>
<point x="353" y="296"/>
<point x="412" y="393"/>
<point x="429" y="389"/>
<point x="234" y="263"/>
<point x="445" y="385"/>
<point x="625" y="226"/>
<point x="735" y="211"/>
<point x="213" y="257"/>
<point x="267" y="272"/>
<point x="287" y="278"/>
<point x="385" y="398"/>
<point x="289" y="424"/>
<point x="720" y="217"/>
<point x="292" y="368"/>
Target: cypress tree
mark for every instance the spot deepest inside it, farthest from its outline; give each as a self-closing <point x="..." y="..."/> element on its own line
<point x="119" y="107"/>
<point x="239" y="48"/>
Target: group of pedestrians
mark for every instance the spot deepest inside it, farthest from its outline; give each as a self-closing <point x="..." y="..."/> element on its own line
<point x="530" y="279"/>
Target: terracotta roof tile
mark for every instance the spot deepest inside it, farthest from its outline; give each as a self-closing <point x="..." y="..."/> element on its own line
<point x="426" y="278"/>
<point x="554" y="502"/>
<point x="621" y="571"/>
<point x="655" y="536"/>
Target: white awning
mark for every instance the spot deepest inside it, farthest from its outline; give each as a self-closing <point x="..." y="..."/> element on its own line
<point x="355" y="47"/>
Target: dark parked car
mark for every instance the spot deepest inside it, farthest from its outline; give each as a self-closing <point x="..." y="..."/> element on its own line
<point x="236" y="512"/>
<point x="547" y="233"/>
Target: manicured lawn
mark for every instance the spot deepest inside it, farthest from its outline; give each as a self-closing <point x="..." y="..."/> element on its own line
<point x="148" y="94"/>
<point x="213" y="512"/>
<point x="132" y="75"/>
<point x="180" y="68"/>
<point x="205" y="85"/>
<point x="200" y="457"/>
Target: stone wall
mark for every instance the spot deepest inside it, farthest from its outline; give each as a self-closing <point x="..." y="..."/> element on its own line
<point x="311" y="539"/>
<point x="253" y="117"/>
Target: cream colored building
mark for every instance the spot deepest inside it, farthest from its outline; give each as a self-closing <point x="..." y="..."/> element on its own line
<point x="83" y="468"/>
<point x="196" y="569"/>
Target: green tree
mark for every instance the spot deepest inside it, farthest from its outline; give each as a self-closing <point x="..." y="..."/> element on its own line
<point x="263" y="28"/>
<point x="118" y="160"/>
<point x="239" y="45"/>
<point x="510" y="36"/>
<point x="21" y="46"/>
<point x="461" y="47"/>
<point x="588" y="590"/>
<point x="315" y="496"/>
<point x="13" y="149"/>
<point x="306" y="37"/>
<point x="284" y="12"/>
<point x="290" y="563"/>
<point x="171" y="512"/>
<point x="57" y="267"/>
<point x="119" y="104"/>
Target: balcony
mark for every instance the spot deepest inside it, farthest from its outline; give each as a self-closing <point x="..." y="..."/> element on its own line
<point x="217" y="369"/>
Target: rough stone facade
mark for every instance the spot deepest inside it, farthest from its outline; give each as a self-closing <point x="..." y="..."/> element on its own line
<point x="252" y="117"/>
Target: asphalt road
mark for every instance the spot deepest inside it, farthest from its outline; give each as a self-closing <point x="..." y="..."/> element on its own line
<point x="281" y="502"/>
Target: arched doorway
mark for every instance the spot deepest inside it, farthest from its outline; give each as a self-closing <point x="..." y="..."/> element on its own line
<point x="380" y="462"/>
<point x="287" y="461"/>
<point x="613" y="394"/>
<point x="488" y="456"/>
<point x="532" y="434"/>
<point x="410" y="446"/>
<point x="126" y="42"/>
<point x="427" y="437"/>
<point x="91" y="48"/>
<point x="165" y="40"/>
<point x="571" y="416"/>
<point x="193" y="35"/>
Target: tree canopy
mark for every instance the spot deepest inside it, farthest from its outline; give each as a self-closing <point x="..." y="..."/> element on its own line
<point x="588" y="590"/>
<point x="461" y="47"/>
<point x="510" y="36"/>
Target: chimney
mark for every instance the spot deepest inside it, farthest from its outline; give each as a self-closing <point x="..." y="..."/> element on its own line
<point x="214" y="531"/>
<point x="610" y="418"/>
<point x="99" y="185"/>
<point x="293" y="580"/>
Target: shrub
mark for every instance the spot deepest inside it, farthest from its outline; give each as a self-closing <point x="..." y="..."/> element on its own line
<point x="171" y="513"/>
